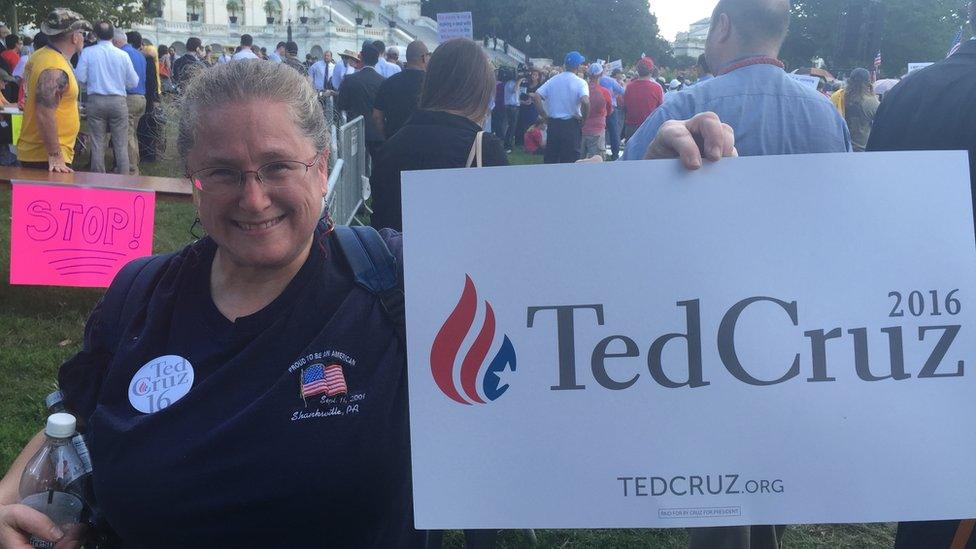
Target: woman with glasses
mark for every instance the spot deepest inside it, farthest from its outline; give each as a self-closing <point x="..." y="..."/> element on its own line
<point x="246" y="392"/>
<point x="258" y="396"/>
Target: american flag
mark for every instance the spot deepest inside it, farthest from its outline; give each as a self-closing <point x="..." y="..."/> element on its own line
<point x="877" y="61"/>
<point x="318" y="379"/>
<point x="956" y="43"/>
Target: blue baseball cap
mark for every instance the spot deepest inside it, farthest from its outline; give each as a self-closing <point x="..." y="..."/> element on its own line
<point x="574" y="59"/>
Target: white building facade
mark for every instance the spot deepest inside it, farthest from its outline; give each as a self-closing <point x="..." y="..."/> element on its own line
<point x="692" y="43"/>
<point x="324" y="26"/>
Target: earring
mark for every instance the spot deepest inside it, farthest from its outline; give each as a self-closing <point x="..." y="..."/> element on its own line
<point x="329" y="224"/>
<point x="193" y="228"/>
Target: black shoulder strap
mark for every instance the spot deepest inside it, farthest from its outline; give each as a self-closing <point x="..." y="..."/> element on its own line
<point x="129" y="293"/>
<point x="375" y="270"/>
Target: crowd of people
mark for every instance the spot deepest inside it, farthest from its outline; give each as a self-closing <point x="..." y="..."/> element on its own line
<point x="120" y="75"/>
<point x="598" y="109"/>
<point x="274" y="280"/>
<point x="578" y="110"/>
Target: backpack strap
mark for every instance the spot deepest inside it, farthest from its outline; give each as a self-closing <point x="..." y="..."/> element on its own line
<point x="963" y="533"/>
<point x="375" y="270"/>
<point x="129" y="293"/>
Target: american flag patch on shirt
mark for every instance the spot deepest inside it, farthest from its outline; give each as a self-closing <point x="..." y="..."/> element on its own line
<point x="319" y="379"/>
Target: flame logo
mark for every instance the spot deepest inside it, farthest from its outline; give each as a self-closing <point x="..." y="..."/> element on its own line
<point x="447" y="345"/>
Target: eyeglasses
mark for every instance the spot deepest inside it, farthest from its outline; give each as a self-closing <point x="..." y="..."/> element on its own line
<point x="228" y="181"/>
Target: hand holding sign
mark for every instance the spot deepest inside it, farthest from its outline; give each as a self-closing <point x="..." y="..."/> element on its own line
<point x="71" y="236"/>
<point x="690" y="140"/>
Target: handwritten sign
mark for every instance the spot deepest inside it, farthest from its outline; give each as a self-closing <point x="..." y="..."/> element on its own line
<point x="618" y="64"/>
<point x="76" y="236"/>
<point x="726" y="347"/>
<point x="454" y="25"/>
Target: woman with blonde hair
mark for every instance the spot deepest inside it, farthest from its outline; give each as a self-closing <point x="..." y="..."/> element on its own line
<point x="860" y="106"/>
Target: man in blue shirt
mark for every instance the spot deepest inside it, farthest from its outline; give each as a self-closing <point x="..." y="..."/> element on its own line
<point x="613" y="119"/>
<point x="280" y="50"/>
<point x="135" y="99"/>
<point x="319" y="73"/>
<point x="770" y="112"/>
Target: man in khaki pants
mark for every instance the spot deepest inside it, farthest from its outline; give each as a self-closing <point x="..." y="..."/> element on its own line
<point x="106" y="72"/>
<point x="135" y="100"/>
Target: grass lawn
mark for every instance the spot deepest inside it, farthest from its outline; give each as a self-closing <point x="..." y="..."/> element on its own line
<point x="42" y="326"/>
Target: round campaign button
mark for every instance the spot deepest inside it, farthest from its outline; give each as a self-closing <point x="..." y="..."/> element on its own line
<point x="160" y="382"/>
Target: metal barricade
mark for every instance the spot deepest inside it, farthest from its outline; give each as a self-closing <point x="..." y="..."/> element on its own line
<point x="334" y="119"/>
<point x="345" y="198"/>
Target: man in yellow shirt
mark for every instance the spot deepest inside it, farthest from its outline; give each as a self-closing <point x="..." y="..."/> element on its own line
<point x="51" y="118"/>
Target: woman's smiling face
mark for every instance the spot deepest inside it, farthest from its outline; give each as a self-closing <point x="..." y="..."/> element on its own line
<point x="258" y="226"/>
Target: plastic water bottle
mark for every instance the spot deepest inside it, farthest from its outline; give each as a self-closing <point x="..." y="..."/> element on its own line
<point x="55" y="404"/>
<point x="55" y="478"/>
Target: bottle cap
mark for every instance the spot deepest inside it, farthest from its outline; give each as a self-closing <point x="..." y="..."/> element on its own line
<point x="60" y="425"/>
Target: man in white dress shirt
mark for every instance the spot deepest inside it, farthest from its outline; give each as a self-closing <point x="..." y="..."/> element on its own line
<point x="106" y="72"/>
<point x="384" y="67"/>
<point x="245" y="52"/>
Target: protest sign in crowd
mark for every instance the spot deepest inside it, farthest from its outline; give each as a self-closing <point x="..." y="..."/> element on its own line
<point x="251" y="389"/>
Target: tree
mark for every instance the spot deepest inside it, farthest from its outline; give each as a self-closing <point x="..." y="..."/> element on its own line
<point x="919" y="31"/>
<point x="841" y="33"/>
<point x="194" y="5"/>
<point x="271" y="9"/>
<point x="608" y="29"/>
<point x="124" y="13"/>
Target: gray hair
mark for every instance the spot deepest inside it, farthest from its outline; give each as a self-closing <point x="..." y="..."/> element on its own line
<point x="119" y="35"/>
<point x="248" y="80"/>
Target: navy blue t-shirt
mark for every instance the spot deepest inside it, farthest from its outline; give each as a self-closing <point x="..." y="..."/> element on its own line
<point x="287" y="427"/>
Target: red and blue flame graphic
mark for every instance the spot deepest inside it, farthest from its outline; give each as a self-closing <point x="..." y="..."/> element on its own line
<point x="447" y="345"/>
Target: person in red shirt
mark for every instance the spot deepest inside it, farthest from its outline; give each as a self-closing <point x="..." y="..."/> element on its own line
<point x="535" y="138"/>
<point x="601" y="105"/>
<point x="11" y="55"/>
<point x="9" y="58"/>
<point x="642" y="97"/>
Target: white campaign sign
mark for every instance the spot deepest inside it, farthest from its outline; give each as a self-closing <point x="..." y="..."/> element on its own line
<point x="806" y="79"/>
<point x="751" y="343"/>
<point x="454" y="25"/>
<point x="912" y="67"/>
